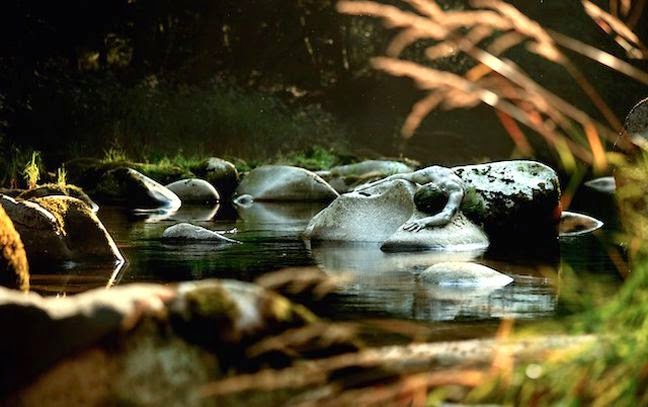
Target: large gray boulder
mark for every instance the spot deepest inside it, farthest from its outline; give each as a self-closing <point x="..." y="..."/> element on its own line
<point x="520" y="198"/>
<point x="458" y="235"/>
<point x="189" y="232"/>
<point x="366" y="216"/>
<point x="60" y="228"/>
<point x="285" y="183"/>
<point x="127" y="187"/>
<point x="194" y="191"/>
<point x="222" y="174"/>
<point x="14" y="270"/>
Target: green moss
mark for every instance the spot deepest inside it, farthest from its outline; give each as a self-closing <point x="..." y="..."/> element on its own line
<point x="473" y="204"/>
<point x="212" y="302"/>
<point x="315" y="158"/>
<point x="59" y="207"/>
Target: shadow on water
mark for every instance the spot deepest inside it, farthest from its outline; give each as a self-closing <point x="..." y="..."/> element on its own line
<point x="383" y="285"/>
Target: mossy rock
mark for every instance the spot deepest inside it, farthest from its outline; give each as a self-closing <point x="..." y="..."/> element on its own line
<point x="14" y="270"/>
<point x="222" y="174"/>
<point x="73" y="191"/>
<point x="130" y="188"/>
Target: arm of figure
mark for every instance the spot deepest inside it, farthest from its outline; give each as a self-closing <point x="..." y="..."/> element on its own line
<point x="442" y="218"/>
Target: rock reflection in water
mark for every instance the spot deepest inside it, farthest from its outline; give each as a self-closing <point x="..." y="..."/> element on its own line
<point x="285" y="216"/>
<point x="387" y="283"/>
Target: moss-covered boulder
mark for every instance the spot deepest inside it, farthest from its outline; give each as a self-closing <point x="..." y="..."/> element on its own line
<point x="518" y="198"/>
<point x="60" y="228"/>
<point x="222" y="174"/>
<point x="285" y="183"/>
<point x="127" y="187"/>
<point x="14" y="270"/>
<point x="148" y="344"/>
<point x="73" y="191"/>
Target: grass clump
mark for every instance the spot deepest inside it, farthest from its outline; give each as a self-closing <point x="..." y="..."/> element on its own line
<point x="31" y="172"/>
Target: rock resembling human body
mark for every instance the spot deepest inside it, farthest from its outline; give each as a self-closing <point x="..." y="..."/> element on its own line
<point x="194" y="191"/>
<point x="42" y="191"/>
<point x="60" y="228"/>
<point x="521" y="198"/>
<point x="285" y="183"/>
<point x="189" y="232"/>
<point x="14" y="270"/>
<point x="344" y="178"/>
<point x="220" y="173"/>
<point x="141" y="344"/>
<point x="464" y="274"/>
<point x="127" y="187"/>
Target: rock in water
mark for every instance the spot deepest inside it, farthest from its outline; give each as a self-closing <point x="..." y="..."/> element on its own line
<point x="464" y="274"/>
<point x="42" y="191"/>
<point x="458" y="235"/>
<point x="521" y="198"/>
<point x="576" y="224"/>
<point x="186" y="231"/>
<point x="371" y="215"/>
<point x="14" y="270"/>
<point x="60" y="228"/>
<point x="196" y="191"/>
<point x="285" y="183"/>
<point x="605" y="185"/>
<point x="220" y="173"/>
<point x="127" y="187"/>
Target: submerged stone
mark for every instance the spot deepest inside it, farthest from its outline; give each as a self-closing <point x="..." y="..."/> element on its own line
<point x="285" y="183"/>
<point x="14" y="270"/>
<point x="467" y="274"/>
<point x="187" y="231"/>
<point x="194" y="190"/>
<point x="577" y="224"/>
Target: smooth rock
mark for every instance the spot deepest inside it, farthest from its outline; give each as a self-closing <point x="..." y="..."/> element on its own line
<point x="371" y="215"/>
<point x="521" y="198"/>
<point x="285" y="183"/>
<point x="222" y="174"/>
<point x="458" y="235"/>
<point x="127" y="187"/>
<point x="42" y="191"/>
<point x="577" y="224"/>
<point x="186" y="231"/>
<point x="14" y="270"/>
<point x="243" y="201"/>
<point x="605" y="185"/>
<point x="466" y="274"/>
<point x="195" y="191"/>
<point x="60" y="228"/>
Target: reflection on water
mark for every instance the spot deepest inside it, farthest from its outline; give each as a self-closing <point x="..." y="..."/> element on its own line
<point x="383" y="285"/>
